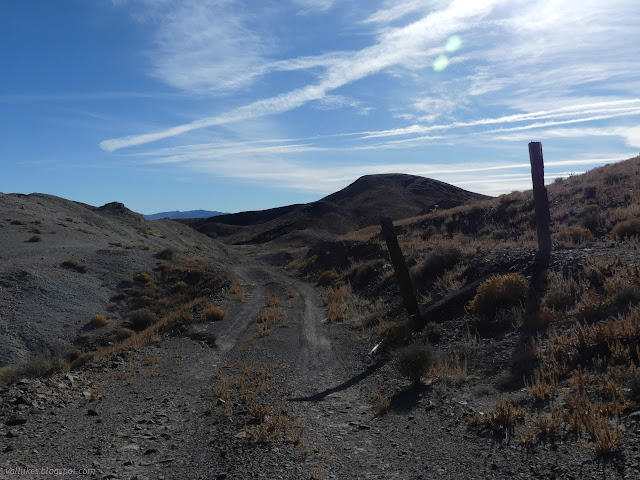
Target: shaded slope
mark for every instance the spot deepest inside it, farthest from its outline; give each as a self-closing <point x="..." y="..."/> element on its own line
<point x="358" y="205"/>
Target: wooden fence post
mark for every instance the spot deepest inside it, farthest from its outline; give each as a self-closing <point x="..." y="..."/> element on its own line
<point x="402" y="272"/>
<point x="543" y="218"/>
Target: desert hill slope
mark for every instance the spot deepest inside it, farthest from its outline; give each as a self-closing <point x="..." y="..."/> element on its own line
<point x="356" y="206"/>
<point x="44" y="305"/>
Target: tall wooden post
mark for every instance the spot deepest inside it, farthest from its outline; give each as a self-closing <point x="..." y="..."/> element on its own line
<point x="543" y="217"/>
<point x="401" y="271"/>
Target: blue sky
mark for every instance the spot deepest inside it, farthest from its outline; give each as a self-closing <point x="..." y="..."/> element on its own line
<point x="248" y="104"/>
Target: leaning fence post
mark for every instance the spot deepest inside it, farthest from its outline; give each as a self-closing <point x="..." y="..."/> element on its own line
<point x="401" y="271"/>
<point x="543" y="218"/>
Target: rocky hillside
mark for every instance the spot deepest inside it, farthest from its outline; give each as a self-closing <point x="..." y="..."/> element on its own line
<point x="62" y="262"/>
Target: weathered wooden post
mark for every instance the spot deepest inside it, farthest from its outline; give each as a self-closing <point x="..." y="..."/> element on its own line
<point x="402" y="272"/>
<point x="543" y="218"/>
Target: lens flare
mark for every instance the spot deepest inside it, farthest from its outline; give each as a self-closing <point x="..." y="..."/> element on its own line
<point x="453" y="43"/>
<point x="440" y="63"/>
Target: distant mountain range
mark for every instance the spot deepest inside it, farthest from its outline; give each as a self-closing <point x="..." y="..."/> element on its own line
<point x="179" y="214"/>
<point x="356" y="206"/>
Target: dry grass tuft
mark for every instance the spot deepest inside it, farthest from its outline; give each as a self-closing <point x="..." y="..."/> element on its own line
<point x="504" y="417"/>
<point x="572" y="236"/>
<point x="213" y="313"/>
<point x="143" y="278"/>
<point x="381" y="402"/>
<point x="338" y="300"/>
<point x="99" y="321"/>
<point x="266" y="320"/>
<point x="542" y="386"/>
<point x="76" y="265"/>
<point x="273" y="300"/>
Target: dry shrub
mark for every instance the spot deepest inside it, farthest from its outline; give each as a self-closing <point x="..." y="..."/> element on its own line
<point x="76" y="265"/>
<point x="166" y="254"/>
<point x="633" y="383"/>
<point x="561" y="292"/>
<point x="180" y="286"/>
<point x="590" y="191"/>
<point x="414" y="362"/>
<point x="142" y="318"/>
<point x="590" y="306"/>
<point x="389" y="333"/>
<point x="597" y="270"/>
<point x="328" y="278"/>
<point x="123" y="334"/>
<point x="538" y="320"/>
<point x="99" y="321"/>
<point x="436" y="263"/>
<point x="450" y="282"/>
<point x="37" y="366"/>
<point x="143" y="278"/>
<point x="623" y="286"/>
<point x="259" y="411"/>
<point x="499" y="291"/>
<point x="626" y="228"/>
<point x="213" y="313"/>
<point x="571" y="236"/>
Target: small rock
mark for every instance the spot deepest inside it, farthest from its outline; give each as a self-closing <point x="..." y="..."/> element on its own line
<point x="150" y="451"/>
<point x="364" y="427"/>
<point x="13" y="433"/>
<point x="21" y="400"/>
<point x="221" y="476"/>
<point x="17" y="420"/>
<point x="92" y="412"/>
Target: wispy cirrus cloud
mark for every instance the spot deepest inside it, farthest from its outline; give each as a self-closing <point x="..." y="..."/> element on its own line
<point x="594" y="111"/>
<point x="314" y="5"/>
<point x="412" y="46"/>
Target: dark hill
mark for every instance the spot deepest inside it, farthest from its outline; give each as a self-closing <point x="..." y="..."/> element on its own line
<point x="179" y="214"/>
<point x="356" y="206"/>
